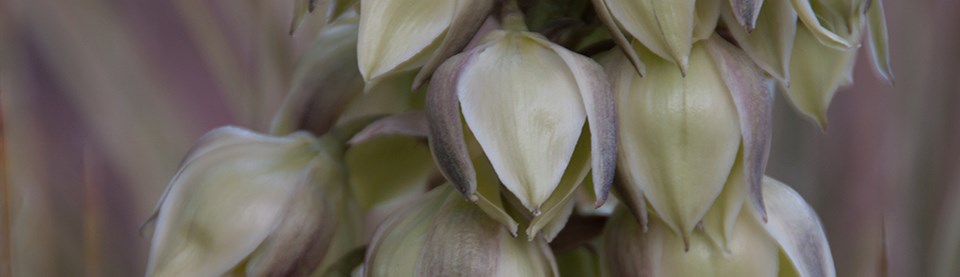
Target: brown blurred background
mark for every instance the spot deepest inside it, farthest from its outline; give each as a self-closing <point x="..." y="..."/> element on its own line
<point x="101" y="98"/>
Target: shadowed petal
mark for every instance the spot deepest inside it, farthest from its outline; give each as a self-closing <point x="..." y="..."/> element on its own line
<point x="622" y="42"/>
<point x="412" y="124"/>
<point x="446" y="131"/>
<point x="754" y="104"/>
<point x="795" y="226"/>
<point x="708" y="14"/>
<point x="746" y="12"/>
<point x="809" y="18"/>
<point x="769" y="45"/>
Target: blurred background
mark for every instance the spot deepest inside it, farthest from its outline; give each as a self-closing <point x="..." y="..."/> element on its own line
<point x="100" y="99"/>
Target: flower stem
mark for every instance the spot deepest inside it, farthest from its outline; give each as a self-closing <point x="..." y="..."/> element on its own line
<point x="511" y="17"/>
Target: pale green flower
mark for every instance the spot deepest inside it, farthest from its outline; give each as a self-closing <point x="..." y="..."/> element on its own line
<point x="791" y="243"/>
<point x="245" y="203"/>
<point x="527" y="102"/>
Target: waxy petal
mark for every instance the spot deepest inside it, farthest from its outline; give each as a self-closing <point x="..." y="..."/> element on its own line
<point x="814" y="81"/>
<point x="615" y="32"/>
<point x="622" y="79"/>
<point x="398" y="35"/>
<point x="447" y="142"/>
<point x="230" y="198"/>
<point x="746" y="12"/>
<point x="598" y="102"/>
<point x="679" y="137"/>
<point x="795" y="226"/>
<point x="528" y="129"/>
<point x="878" y="46"/>
<point x="754" y="103"/>
<point x="770" y="44"/>
<point x="665" y="27"/>
<point x="468" y="16"/>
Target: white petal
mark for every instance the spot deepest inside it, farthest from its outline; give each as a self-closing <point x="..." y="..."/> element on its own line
<point x="598" y="102"/>
<point x="524" y="108"/>
<point x="622" y="42"/>
<point x="796" y="227"/>
<point x="395" y="34"/>
<point x="665" y="27"/>
<point x="769" y="45"/>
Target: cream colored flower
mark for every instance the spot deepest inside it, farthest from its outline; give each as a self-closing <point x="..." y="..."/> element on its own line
<point x="527" y="102"/>
<point x="253" y="204"/>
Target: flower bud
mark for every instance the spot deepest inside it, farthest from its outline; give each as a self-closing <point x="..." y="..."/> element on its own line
<point x="444" y="235"/>
<point x="325" y="80"/>
<point x="816" y="72"/>
<point x="660" y="252"/>
<point x="530" y="131"/>
<point x="400" y="35"/>
<point x="251" y="204"/>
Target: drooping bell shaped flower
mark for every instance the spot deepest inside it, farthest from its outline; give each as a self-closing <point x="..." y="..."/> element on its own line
<point x="791" y="243"/>
<point x="667" y="28"/>
<point x="444" y="235"/>
<point x="681" y="136"/>
<point x="401" y="35"/>
<point x="253" y="204"/>
<point x="526" y="101"/>
<point x="812" y="60"/>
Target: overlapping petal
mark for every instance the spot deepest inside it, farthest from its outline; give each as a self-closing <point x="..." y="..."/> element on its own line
<point x="665" y="27"/>
<point x="770" y="43"/>
<point x="813" y="81"/>
<point x="797" y="229"/>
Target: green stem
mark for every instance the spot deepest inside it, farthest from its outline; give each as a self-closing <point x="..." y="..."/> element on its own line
<point x="511" y="17"/>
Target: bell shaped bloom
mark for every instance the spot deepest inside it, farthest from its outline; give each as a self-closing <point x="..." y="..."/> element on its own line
<point x="791" y="243"/>
<point x="812" y="60"/>
<point x="680" y="137"/>
<point x="444" y="235"/>
<point x="541" y="115"/>
<point x="667" y="28"/>
<point x="245" y="203"/>
<point x="402" y="35"/>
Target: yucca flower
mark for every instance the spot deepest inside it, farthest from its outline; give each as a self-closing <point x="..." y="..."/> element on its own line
<point x="681" y="135"/>
<point x="526" y="101"/>
<point x="444" y="235"/>
<point x="790" y="243"/>
<point x="246" y="203"/>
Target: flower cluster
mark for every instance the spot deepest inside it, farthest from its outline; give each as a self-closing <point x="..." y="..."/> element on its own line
<point x="492" y="138"/>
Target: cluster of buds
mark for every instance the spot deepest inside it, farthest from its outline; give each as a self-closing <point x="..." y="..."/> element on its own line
<point x="492" y="140"/>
